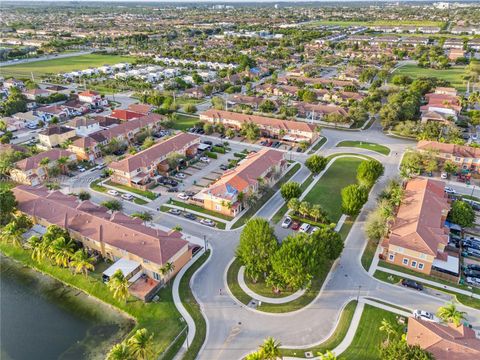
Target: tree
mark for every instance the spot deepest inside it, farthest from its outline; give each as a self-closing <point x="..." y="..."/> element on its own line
<point x="44" y="163"/>
<point x="230" y="133"/>
<point x="113" y="205"/>
<point x="118" y="284"/>
<point x="82" y="262"/>
<point x="120" y="352"/>
<point x="304" y="208"/>
<point x="12" y="234"/>
<point x="7" y="206"/>
<point x="256" y="247"/>
<point x="166" y="269"/>
<point x="270" y="349"/>
<point x="316" y="163"/>
<point x="294" y="205"/>
<point x="309" y="96"/>
<point x="189" y="108"/>
<point x="450" y="314"/>
<point x="148" y="142"/>
<point x="387" y="328"/>
<point x="250" y="130"/>
<point x="62" y="251"/>
<point x="462" y="214"/>
<point x="376" y="226"/>
<point x="450" y="167"/>
<point x="177" y="228"/>
<point x="398" y="349"/>
<point x="328" y="242"/>
<point x="8" y="158"/>
<point x="145" y="216"/>
<point x="35" y="244"/>
<point x="267" y="106"/>
<point x="353" y="198"/>
<point x="328" y="356"/>
<point x="290" y="190"/>
<point x="218" y="103"/>
<point x="412" y="164"/>
<point x="84" y="195"/>
<point x="141" y="344"/>
<point x="208" y="128"/>
<point x="62" y="163"/>
<point x="368" y="172"/>
<point x="255" y="356"/>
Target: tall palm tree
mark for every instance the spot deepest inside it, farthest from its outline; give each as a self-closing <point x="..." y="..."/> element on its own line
<point x="118" y="284"/>
<point x="35" y="244"/>
<point x="304" y="208"/>
<point x="316" y="212"/>
<point x="255" y="356"/>
<point x="141" y="344"/>
<point x="62" y="251"/>
<point x="449" y="313"/>
<point x="387" y="328"/>
<point x="44" y="165"/>
<point x="82" y="262"/>
<point x="145" y="216"/>
<point x="166" y="269"/>
<point x="62" y="162"/>
<point x="328" y="356"/>
<point x="120" y="351"/>
<point x="294" y="205"/>
<point x="270" y="349"/>
<point x="11" y="234"/>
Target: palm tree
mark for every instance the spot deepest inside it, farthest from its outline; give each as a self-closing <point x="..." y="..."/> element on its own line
<point x="118" y="284"/>
<point x="35" y="244"/>
<point x="177" y="228"/>
<point x="120" y="351"/>
<point x="387" y="328"/>
<point x="304" y="208"/>
<point x="141" y="344"/>
<point x="12" y="234"/>
<point x="145" y="216"/>
<point x="62" y="251"/>
<point x="270" y="349"/>
<point x="62" y="163"/>
<point x="449" y="313"/>
<point x="255" y="356"/>
<point x="44" y="165"/>
<point x="82" y="262"/>
<point x="328" y="356"/>
<point x="294" y="205"/>
<point x="316" y="212"/>
<point x="166" y="269"/>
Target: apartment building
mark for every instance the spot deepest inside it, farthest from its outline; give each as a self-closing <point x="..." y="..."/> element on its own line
<point x="442" y="105"/>
<point x="55" y="135"/>
<point x="466" y="157"/>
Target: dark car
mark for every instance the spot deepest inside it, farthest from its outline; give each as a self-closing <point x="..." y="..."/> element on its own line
<point x="208" y="142"/>
<point x="295" y="225"/>
<point x="412" y="284"/>
<point x="220" y="145"/>
<point x="473" y="267"/>
<point x="471" y="244"/>
<point x="189" y="216"/>
<point x="172" y="189"/>
<point x="472" y="273"/>
<point x="223" y="167"/>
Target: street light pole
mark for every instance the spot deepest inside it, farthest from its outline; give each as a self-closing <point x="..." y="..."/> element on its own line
<point x="358" y="294"/>
<point x="205" y="242"/>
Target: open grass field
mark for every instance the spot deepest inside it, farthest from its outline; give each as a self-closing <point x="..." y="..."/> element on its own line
<point x="453" y="75"/>
<point x="55" y="66"/>
<point x="381" y="149"/>
<point x="183" y="122"/>
<point x="326" y="191"/>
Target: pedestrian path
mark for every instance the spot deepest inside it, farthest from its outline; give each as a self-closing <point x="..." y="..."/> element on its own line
<point x="253" y="295"/>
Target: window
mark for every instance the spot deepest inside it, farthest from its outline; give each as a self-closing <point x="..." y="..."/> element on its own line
<point x="414" y="264"/>
<point x="218" y="207"/>
<point x="423" y="256"/>
<point x="391" y="257"/>
<point x="146" y="261"/>
<point x="405" y="261"/>
<point x="156" y="276"/>
<point x="420" y="266"/>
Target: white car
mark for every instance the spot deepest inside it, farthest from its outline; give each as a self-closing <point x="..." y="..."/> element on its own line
<point x="425" y="315"/>
<point x="286" y="223"/>
<point x="205" y="159"/>
<point x="304" y="228"/>
<point x="180" y="176"/>
<point x="112" y="192"/>
<point x="474" y="137"/>
<point x="444" y="175"/>
<point x="450" y="190"/>
<point x="183" y="196"/>
<point x="473" y="281"/>
<point x="100" y="166"/>
<point x="207" y="222"/>
<point x="127" y="196"/>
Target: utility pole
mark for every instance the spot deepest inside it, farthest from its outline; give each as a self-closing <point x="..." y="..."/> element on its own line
<point x="358" y="294"/>
<point x="205" y="243"/>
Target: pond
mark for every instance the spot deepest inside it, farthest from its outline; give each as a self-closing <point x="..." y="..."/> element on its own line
<point x="41" y="318"/>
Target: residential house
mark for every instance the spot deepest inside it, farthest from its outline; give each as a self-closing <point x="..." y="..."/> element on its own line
<point x="444" y="342"/>
<point x="31" y="94"/>
<point x="85" y="148"/>
<point x="92" y="97"/>
<point x="55" y="135"/>
<point x="466" y="157"/>
<point x="318" y="111"/>
<point x="138" y="170"/>
<point x="418" y="238"/>
<point x="84" y="126"/>
<point x="115" y="236"/>
<point x="9" y="83"/>
<point x="196" y="92"/>
<point x="288" y="130"/>
<point x="454" y="54"/>
<point x="144" y="109"/>
<point x="125" y="115"/>
<point x="47" y="113"/>
<point x="262" y="168"/>
<point x="442" y="105"/>
<point x="29" y="171"/>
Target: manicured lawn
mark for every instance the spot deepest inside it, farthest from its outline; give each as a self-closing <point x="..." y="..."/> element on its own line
<point x="55" y="66"/>
<point x="368" y="254"/>
<point x="368" y="337"/>
<point x="334" y="340"/>
<point x="318" y="145"/>
<point x="184" y="122"/>
<point x="146" y="193"/>
<point x="365" y="145"/>
<point x="261" y="288"/>
<point x="160" y="318"/>
<point x="326" y="191"/>
<point x="452" y="75"/>
<point x="199" y="209"/>
<point x="95" y="185"/>
<point x="270" y="192"/>
<point x="193" y="308"/>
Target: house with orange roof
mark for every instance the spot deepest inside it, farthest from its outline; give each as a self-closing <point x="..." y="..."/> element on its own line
<point x="29" y="171"/>
<point x="262" y="168"/>
<point x="289" y="130"/>
<point x="137" y="170"/>
<point x="112" y="235"/>
<point x="442" y="105"/>
<point x="144" y="109"/>
<point x="418" y="237"/>
<point x="92" y="97"/>
<point x="444" y="342"/>
<point x="125" y="115"/>
<point x="466" y="157"/>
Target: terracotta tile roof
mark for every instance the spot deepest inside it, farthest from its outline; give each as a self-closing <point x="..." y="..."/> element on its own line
<point x="94" y="222"/>
<point x="445" y="342"/>
<point x="140" y="108"/>
<point x="320" y="108"/>
<point x="33" y="162"/>
<point x="5" y="147"/>
<point x="418" y="225"/>
<point x="52" y="109"/>
<point x="452" y="149"/>
<point x="245" y="174"/>
<point x="84" y="142"/>
<point x="261" y="121"/>
<point x="147" y="157"/>
<point x="443" y="101"/>
<point x="55" y="129"/>
<point x="89" y="93"/>
<point x="81" y="121"/>
<point x="125" y="114"/>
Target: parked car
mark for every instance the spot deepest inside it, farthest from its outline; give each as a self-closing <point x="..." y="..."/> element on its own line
<point x="287" y="222"/>
<point x="412" y="284"/>
<point x="295" y="225"/>
<point x="127" y="197"/>
<point x="208" y="142"/>
<point x="100" y="166"/>
<point x="207" y="222"/>
<point x="425" y="315"/>
<point x="473" y="281"/>
<point x="450" y="190"/>
<point x="473" y="267"/>
<point x="444" y="175"/>
<point x="180" y="175"/>
<point x="472" y="273"/>
<point x="113" y="192"/>
<point x="223" y="167"/>
<point x="304" y="228"/>
<point x="81" y="169"/>
<point x="183" y="196"/>
<point x="205" y="159"/>
<point x="313" y="229"/>
<point x="174" y="211"/>
<point x="472" y="252"/>
<point x="471" y="244"/>
<point x="189" y="216"/>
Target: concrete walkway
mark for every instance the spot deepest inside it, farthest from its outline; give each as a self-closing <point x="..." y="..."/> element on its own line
<point x="253" y="295"/>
